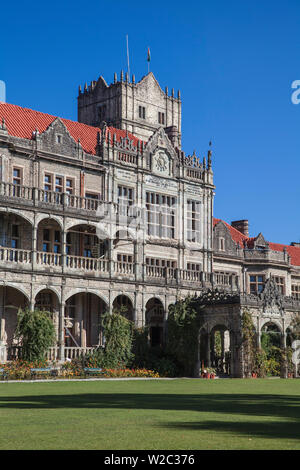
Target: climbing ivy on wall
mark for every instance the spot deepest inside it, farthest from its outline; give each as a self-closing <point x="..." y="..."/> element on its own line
<point x="248" y="343"/>
<point x="184" y="322"/>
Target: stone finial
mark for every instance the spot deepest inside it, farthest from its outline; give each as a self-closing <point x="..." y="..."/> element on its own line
<point x="172" y="93"/>
<point x="85" y="87"/>
<point x="4" y="124"/>
<point x="126" y="77"/>
<point x="209" y="159"/>
<point x="167" y="90"/>
<point x="121" y="76"/>
<point x="133" y="78"/>
<point x="178" y="94"/>
<point x="115" y="78"/>
<point x="79" y="90"/>
<point x="204" y="163"/>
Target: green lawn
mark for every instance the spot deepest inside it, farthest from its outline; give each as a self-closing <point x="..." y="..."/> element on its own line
<point x="167" y="414"/>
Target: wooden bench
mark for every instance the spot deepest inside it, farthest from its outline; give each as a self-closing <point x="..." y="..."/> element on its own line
<point x="3" y="374"/>
<point x="43" y="371"/>
<point x="92" y="371"/>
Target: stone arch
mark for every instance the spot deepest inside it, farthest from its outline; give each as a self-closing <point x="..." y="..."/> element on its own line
<point x="11" y="299"/>
<point x="21" y="214"/>
<point x="124" y="301"/>
<point x="41" y="217"/>
<point x="49" y="241"/>
<point x="154" y="318"/>
<point x="270" y="323"/>
<point x="84" y="240"/>
<point x="16" y="232"/>
<point x="79" y="290"/>
<point x="49" y="288"/>
<point x="83" y="310"/>
<point x="271" y="334"/>
<point x="49" y="300"/>
<point x="221" y="346"/>
<point x="124" y="231"/>
<point x="16" y="286"/>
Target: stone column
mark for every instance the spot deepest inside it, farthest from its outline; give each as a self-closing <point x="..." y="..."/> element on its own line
<point x="208" y="350"/>
<point x="61" y="332"/>
<point x="34" y="246"/>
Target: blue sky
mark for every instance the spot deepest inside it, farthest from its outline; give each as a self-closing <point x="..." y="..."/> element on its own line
<point x="234" y="62"/>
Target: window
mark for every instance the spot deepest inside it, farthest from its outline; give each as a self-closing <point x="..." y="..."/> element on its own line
<point x="296" y="291"/>
<point x="193" y="221"/>
<point x="257" y="284"/>
<point x="142" y="112"/>
<point x="94" y="196"/>
<point x="161" y="118"/>
<point x="161" y="214"/>
<point x="161" y="263"/>
<point x="193" y="267"/>
<point x="59" y="184"/>
<point x="17" y="181"/>
<point x="69" y="185"/>
<point x="125" y="200"/>
<point x="17" y="176"/>
<point x="125" y="258"/>
<point x="15" y="236"/>
<point x="47" y="182"/>
<point x="280" y="283"/>
<point x="46" y="240"/>
<point x="58" y="139"/>
<point x="44" y="302"/>
<point x="221" y="244"/>
<point x="89" y="243"/>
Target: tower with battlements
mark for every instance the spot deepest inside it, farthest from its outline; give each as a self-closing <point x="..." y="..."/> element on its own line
<point x="140" y="108"/>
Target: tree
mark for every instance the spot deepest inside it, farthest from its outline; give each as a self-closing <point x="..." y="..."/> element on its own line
<point x="35" y="332"/>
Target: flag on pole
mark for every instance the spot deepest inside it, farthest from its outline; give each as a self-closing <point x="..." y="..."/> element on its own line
<point x="148" y="55"/>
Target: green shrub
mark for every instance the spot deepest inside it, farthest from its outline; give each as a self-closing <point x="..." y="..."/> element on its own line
<point x="36" y="334"/>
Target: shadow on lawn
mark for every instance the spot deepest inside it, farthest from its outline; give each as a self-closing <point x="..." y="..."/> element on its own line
<point x="284" y="407"/>
<point x="272" y="430"/>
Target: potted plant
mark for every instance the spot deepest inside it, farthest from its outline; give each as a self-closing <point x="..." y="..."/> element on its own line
<point x="212" y="373"/>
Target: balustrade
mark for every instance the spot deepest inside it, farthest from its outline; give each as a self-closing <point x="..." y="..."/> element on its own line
<point x="42" y="196"/>
<point x="15" y="255"/>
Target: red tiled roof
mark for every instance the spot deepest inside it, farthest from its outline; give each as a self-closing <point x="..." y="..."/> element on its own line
<point x="241" y="239"/>
<point x="22" y="122"/>
<point x="293" y="251"/>
<point x="236" y="235"/>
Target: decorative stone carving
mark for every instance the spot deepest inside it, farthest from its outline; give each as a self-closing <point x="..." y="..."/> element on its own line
<point x="272" y="299"/>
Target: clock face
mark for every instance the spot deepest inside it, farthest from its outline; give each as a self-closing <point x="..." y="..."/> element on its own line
<point x="161" y="163"/>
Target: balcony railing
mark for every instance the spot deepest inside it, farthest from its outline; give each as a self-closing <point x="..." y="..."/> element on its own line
<point x="73" y="264"/>
<point x="36" y="196"/>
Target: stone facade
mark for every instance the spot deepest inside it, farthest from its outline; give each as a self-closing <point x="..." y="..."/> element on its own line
<point x="109" y="212"/>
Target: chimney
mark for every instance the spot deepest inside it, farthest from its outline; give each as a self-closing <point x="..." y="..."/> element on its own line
<point x="242" y="226"/>
<point x="297" y="244"/>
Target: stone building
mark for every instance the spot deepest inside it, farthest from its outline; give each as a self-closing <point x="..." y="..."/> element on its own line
<point x="109" y="212"/>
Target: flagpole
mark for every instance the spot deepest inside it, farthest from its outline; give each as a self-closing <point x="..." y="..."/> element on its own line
<point x="148" y="59"/>
<point x="128" y="57"/>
